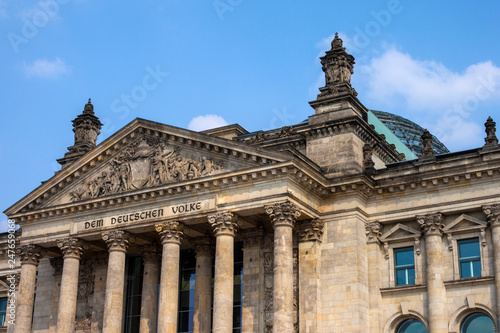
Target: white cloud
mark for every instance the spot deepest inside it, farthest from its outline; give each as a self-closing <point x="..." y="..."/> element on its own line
<point x="445" y="100"/>
<point x="205" y="122"/>
<point x="46" y="68"/>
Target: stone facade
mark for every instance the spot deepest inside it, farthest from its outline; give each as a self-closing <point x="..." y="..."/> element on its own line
<point x="321" y="211"/>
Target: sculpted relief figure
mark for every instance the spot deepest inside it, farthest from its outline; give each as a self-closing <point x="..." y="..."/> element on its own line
<point x="146" y="164"/>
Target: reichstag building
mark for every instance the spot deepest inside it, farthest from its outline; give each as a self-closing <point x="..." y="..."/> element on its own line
<point x="353" y="220"/>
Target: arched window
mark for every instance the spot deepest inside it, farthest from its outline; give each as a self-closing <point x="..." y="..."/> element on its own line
<point x="411" y="326"/>
<point x="477" y="322"/>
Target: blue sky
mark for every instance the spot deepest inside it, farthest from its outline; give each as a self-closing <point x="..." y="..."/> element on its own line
<point x="254" y="63"/>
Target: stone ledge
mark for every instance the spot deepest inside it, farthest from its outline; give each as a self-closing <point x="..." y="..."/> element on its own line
<point x="470" y="281"/>
<point x="406" y="288"/>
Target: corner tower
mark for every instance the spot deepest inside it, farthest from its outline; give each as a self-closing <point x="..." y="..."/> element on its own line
<point x="86" y="127"/>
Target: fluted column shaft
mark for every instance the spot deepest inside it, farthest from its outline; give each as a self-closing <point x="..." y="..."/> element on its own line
<point x="309" y="234"/>
<point x="432" y="228"/>
<point x="203" y="285"/>
<point x="117" y="242"/>
<point x="373" y="233"/>
<point x="283" y="217"/>
<point x="72" y="249"/>
<point x="30" y="258"/>
<point x="171" y="234"/>
<point x="149" y="300"/>
<point x="492" y="213"/>
<point x="225" y="225"/>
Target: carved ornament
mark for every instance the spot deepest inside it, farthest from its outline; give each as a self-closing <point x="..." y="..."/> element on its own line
<point x="492" y="213"/>
<point x="431" y="224"/>
<point x="146" y="163"/>
<point x="117" y="240"/>
<point x="252" y="237"/>
<point x="171" y="231"/>
<point x="310" y="230"/>
<point x="491" y="139"/>
<point x="427" y="150"/>
<point x="72" y="247"/>
<point x="224" y="223"/>
<point x="150" y="253"/>
<point x="57" y="264"/>
<point x="373" y="232"/>
<point x="283" y="214"/>
<point x="203" y="246"/>
<point x="30" y="254"/>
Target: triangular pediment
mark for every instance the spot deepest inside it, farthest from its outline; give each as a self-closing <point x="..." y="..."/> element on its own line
<point x="144" y="155"/>
<point x="464" y="223"/>
<point x="399" y="232"/>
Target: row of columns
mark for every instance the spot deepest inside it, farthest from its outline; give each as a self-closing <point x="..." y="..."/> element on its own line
<point x="162" y="316"/>
<point x="432" y="230"/>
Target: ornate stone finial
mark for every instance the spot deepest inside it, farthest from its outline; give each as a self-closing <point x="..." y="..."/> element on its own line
<point x="338" y="67"/>
<point x="117" y="240"/>
<point x="310" y="230"/>
<point x="150" y="253"/>
<point x="427" y="151"/>
<point x="337" y="42"/>
<point x="72" y="247"/>
<point x="57" y="264"/>
<point x="171" y="231"/>
<point x="373" y="231"/>
<point x="224" y="223"/>
<point x="203" y="246"/>
<point x="283" y="214"/>
<point x="431" y="224"/>
<point x="491" y="139"/>
<point x="492" y="213"/>
<point x="86" y="127"/>
<point x="31" y="254"/>
<point x="367" y="157"/>
<point x="253" y="237"/>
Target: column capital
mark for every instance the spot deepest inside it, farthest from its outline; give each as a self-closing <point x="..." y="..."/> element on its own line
<point x="492" y="213"/>
<point x="203" y="246"/>
<point x="252" y="237"/>
<point x="72" y="247"/>
<point x="117" y="240"/>
<point x="171" y="231"/>
<point x="373" y="232"/>
<point x="431" y="224"/>
<point x="31" y="254"/>
<point x="224" y="223"/>
<point x="310" y="230"/>
<point x="150" y="253"/>
<point x="283" y="214"/>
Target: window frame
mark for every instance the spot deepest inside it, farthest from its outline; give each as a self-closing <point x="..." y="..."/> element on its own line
<point x="404" y="267"/>
<point x="470" y="259"/>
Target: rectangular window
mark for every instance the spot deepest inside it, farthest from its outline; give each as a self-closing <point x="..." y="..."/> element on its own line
<point x="469" y="258"/>
<point x="187" y="278"/>
<point x="238" y="286"/>
<point x="404" y="264"/>
<point x="134" y="291"/>
<point x="3" y="310"/>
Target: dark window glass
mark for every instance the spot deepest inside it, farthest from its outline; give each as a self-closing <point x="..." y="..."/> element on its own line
<point x="3" y="310"/>
<point x="238" y="286"/>
<point x="404" y="264"/>
<point x="187" y="275"/>
<point x="411" y="326"/>
<point x="134" y="291"/>
<point x="477" y="322"/>
<point x="469" y="257"/>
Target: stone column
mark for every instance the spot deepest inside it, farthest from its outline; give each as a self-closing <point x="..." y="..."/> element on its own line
<point x="253" y="276"/>
<point x="492" y="213"/>
<point x="432" y="229"/>
<point x="118" y="242"/>
<point x="225" y="225"/>
<point x="373" y="233"/>
<point x="309" y="235"/>
<point x="151" y="254"/>
<point x="283" y="216"/>
<point x="171" y="234"/>
<point x="30" y="258"/>
<point x="202" y="314"/>
<point x="72" y="249"/>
